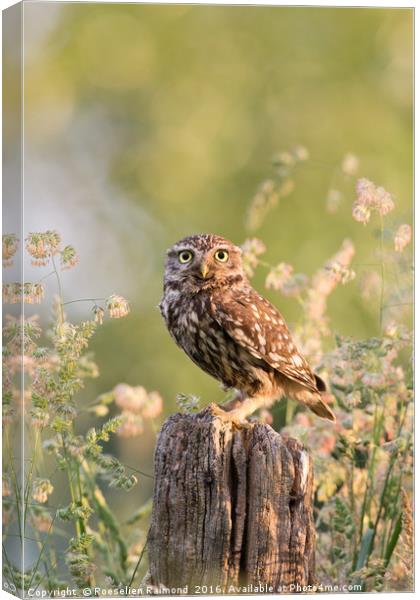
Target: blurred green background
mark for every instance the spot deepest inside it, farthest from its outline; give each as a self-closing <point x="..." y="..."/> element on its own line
<point x="147" y="123"/>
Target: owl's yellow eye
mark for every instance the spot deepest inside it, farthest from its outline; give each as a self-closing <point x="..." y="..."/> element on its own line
<point x="222" y="255"/>
<point x="185" y="256"/>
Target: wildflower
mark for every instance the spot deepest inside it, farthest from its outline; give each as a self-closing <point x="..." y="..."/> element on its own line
<point x="124" y="482"/>
<point x="265" y="199"/>
<point x="33" y="293"/>
<point x="53" y="239"/>
<point x="100" y="410"/>
<point x="130" y="398"/>
<point x="365" y="190"/>
<point x="69" y="258"/>
<point x="370" y="197"/>
<point x="44" y="357"/>
<point x="76" y="448"/>
<point x="252" y="248"/>
<point x="39" y="418"/>
<point x="131" y="426"/>
<point x="361" y="212"/>
<point x="41" y="489"/>
<point x="326" y="443"/>
<point x="346" y="275"/>
<point x="350" y="164"/>
<point x="118" y="306"/>
<point x="354" y="399"/>
<point x="99" y="313"/>
<point x="10" y="244"/>
<point x="375" y="568"/>
<point x="375" y="380"/>
<point x="384" y="202"/>
<point x="66" y="413"/>
<point x="396" y="445"/>
<point x="41" y="246"/>
<point x="342" y="273"/>
<point x="334" y="199"/>
<point x="77" y="558"/>
<point x="87" y="367"/>
<point x="38" y="249"/>
<point x="295" y="285"/>
<point x="41" y="522"/>
<point x="335" y="271"/>
<point x="153" y="406"/>
<point x="12" y="293"/>
<point x="73" y="339"/>
<point x="278" y="276"/>
<point x="188" y="403"/>
<point x="402" y="237"/>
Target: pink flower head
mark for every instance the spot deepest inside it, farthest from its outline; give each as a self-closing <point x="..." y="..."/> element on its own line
<point x="361" y="212"/>
<point x="278" y="276"/>
<point x="132" y="425"/>
<point x="402" y="237"/>
<point x="118" y="306"/>
<point x="252" y="248"/>
<point x="370" y="197"/>
<point x="130" y="398"/>
<point x="153" y="406"/>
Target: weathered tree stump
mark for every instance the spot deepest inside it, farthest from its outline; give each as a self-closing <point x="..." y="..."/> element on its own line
<point x="232" y="507"/>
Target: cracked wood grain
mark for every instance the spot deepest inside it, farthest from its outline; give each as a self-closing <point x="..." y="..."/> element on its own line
<point x="231" y="506"/>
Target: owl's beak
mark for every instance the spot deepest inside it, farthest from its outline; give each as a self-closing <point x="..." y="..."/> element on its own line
<point x="204" y="270"/>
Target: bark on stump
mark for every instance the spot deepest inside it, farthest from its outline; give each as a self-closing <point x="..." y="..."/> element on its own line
<point x="231" y="506"/>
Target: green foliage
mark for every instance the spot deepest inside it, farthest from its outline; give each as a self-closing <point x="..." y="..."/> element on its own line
<point x="55" y="375"/>
<point x="343" y="519"/>
<point x="188" y="403"/>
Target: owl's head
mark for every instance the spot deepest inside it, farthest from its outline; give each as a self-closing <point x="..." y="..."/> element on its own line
<point x="204" y="261"/>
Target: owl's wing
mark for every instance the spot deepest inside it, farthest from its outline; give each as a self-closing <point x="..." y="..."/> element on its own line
<point x="255" y="324"/>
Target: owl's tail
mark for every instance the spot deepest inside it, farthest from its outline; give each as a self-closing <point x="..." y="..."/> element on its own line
<point x="316" y="401"/>
<point x="321" y="408"/>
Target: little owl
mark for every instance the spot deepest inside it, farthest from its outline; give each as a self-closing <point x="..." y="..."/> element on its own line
<point x="231" y="332"/>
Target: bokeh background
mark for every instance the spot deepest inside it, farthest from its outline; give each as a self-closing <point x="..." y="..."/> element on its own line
<point x="147" y="123"/>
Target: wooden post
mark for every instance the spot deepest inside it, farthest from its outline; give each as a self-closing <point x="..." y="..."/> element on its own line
<point x="232" y="508"/>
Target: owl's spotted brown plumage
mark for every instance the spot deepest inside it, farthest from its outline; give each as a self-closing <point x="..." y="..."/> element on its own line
<point x="230" y="331"/>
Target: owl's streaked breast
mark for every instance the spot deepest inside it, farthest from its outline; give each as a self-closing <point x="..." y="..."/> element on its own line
<point x="191" y="324"/>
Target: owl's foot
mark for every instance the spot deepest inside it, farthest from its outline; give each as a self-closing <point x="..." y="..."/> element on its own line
<point x="235" y="401"/>
<point x="240" y="411"/>
<point x="229" y="416"/>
